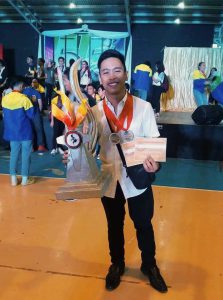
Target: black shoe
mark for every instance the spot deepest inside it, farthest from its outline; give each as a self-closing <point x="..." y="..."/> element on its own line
<point x="113" y="277"/>
<point x="155" y="278"/>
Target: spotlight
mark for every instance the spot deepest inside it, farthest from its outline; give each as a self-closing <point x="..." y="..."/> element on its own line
<point x="177" y="21"/>
<point x="79" y="21"/>
<point x="72" y="5"/>
<point x="181" y="5"/>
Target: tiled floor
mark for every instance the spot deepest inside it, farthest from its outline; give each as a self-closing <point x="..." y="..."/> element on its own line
<point x="57" y="250"/>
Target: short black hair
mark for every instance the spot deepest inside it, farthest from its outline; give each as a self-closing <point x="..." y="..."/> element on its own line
<point x="101" y="87"/>
<point x="61" y="57"/>
<point x="16" y="80"/>
<point x="111" y="53"/>
<point x="91" y="84"/>
<point x="200" y="63"/>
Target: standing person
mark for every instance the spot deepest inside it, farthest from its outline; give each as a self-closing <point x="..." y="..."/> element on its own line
<point x="61" y="63"/>
<point x="31" y="69"/>
<point x="41" y="71"/>
<point x="158" y="78"/>
<point x="3" y="76"/>
<point x="37" y="121"/>
<point x="49" y="81"/>
<point x="199" y="84"/>
<point x="84" y="74"/>
<point x="18" y="111"/>
<point x="142" y="80"/>
<point x="141" y="122"/>
<point x="215" y="79"/>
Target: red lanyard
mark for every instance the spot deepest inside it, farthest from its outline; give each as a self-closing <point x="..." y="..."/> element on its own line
<point x="117" y="124"/>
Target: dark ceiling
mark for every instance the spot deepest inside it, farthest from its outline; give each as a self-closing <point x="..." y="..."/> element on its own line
<point x="129" y="12"/>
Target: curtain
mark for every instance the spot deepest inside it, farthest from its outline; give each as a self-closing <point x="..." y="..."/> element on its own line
<point x="179" y="65"/>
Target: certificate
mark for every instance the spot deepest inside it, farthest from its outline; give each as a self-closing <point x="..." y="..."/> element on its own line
<point x="136" y="151"/>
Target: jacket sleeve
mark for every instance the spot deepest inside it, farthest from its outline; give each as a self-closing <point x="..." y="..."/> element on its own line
<point x="28" y="107"/>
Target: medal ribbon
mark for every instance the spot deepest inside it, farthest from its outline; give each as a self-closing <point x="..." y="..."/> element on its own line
<point x="117" y="124"/>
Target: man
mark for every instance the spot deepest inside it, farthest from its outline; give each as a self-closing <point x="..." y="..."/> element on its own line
<point x="18" y="112"/>
<point x="61" y="63"/>
<point x="142" y="80"/>
<point x="199" y="84"/>
<point x="113" y="75"/>
<point x="49" y="81"/>
<point x="37" y="122"/>
<point x="31" y="69"/>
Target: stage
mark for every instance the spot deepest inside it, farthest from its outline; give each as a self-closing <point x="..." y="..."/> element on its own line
<point x="185" y="139"/>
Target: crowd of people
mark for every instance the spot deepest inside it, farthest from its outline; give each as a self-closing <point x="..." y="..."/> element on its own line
<point x="149" y="86"/>
<point x="39" y="85"/>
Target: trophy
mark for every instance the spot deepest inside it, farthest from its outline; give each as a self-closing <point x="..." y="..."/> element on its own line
<point x="84" y="179"/>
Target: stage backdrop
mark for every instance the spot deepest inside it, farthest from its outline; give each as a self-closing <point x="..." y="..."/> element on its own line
<point x="84" y="43"/>
<point x="179" y="66"/>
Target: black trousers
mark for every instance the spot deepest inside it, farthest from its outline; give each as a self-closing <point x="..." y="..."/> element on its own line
<point x="155" y="98"/>
<point x="141" y="212"/>
<point x="58" y="129"/>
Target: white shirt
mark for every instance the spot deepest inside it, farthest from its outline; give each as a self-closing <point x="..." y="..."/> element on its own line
<point x="143" y="125"/>
<point x="85" y="80"/>
<point x="158" y="76"/>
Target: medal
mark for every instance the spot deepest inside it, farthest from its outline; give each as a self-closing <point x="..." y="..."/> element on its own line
<point x="126" y="136"/>
<point x="114" y="138"/>
<point x="73" y="139"/>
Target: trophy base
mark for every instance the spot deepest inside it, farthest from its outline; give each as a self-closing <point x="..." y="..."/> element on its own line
<point x="84" y="189"/>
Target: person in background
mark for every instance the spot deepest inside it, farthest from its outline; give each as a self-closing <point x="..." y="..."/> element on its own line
<point x="61" y="63"/>
<point x="91" y="90"/>
<point x="101" y="92"/>
<point x="3" y="77"/>
<point x="71" y="62"/>
<point x="37" y="121"/>
<point x="18" y="111"/>
<point x="158" y="78"/>
<point x="49" y="81"/>
<point x="36" y="85"/>
<point x="84" y="74"/>
<point x="31" y="69"/>
<point x="200" y="83"/>
<point x="41" y="71"/>
<point x="215" y="79"/>
<point x="142" y="80"/>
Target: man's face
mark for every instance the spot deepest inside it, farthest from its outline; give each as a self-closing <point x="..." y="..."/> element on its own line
<point x="202" y="67"/>
<point x="113" y="76"/>
<point x="90" y="90"/>
<point x="29" y="60"/>
<point x="35" y="84"/>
